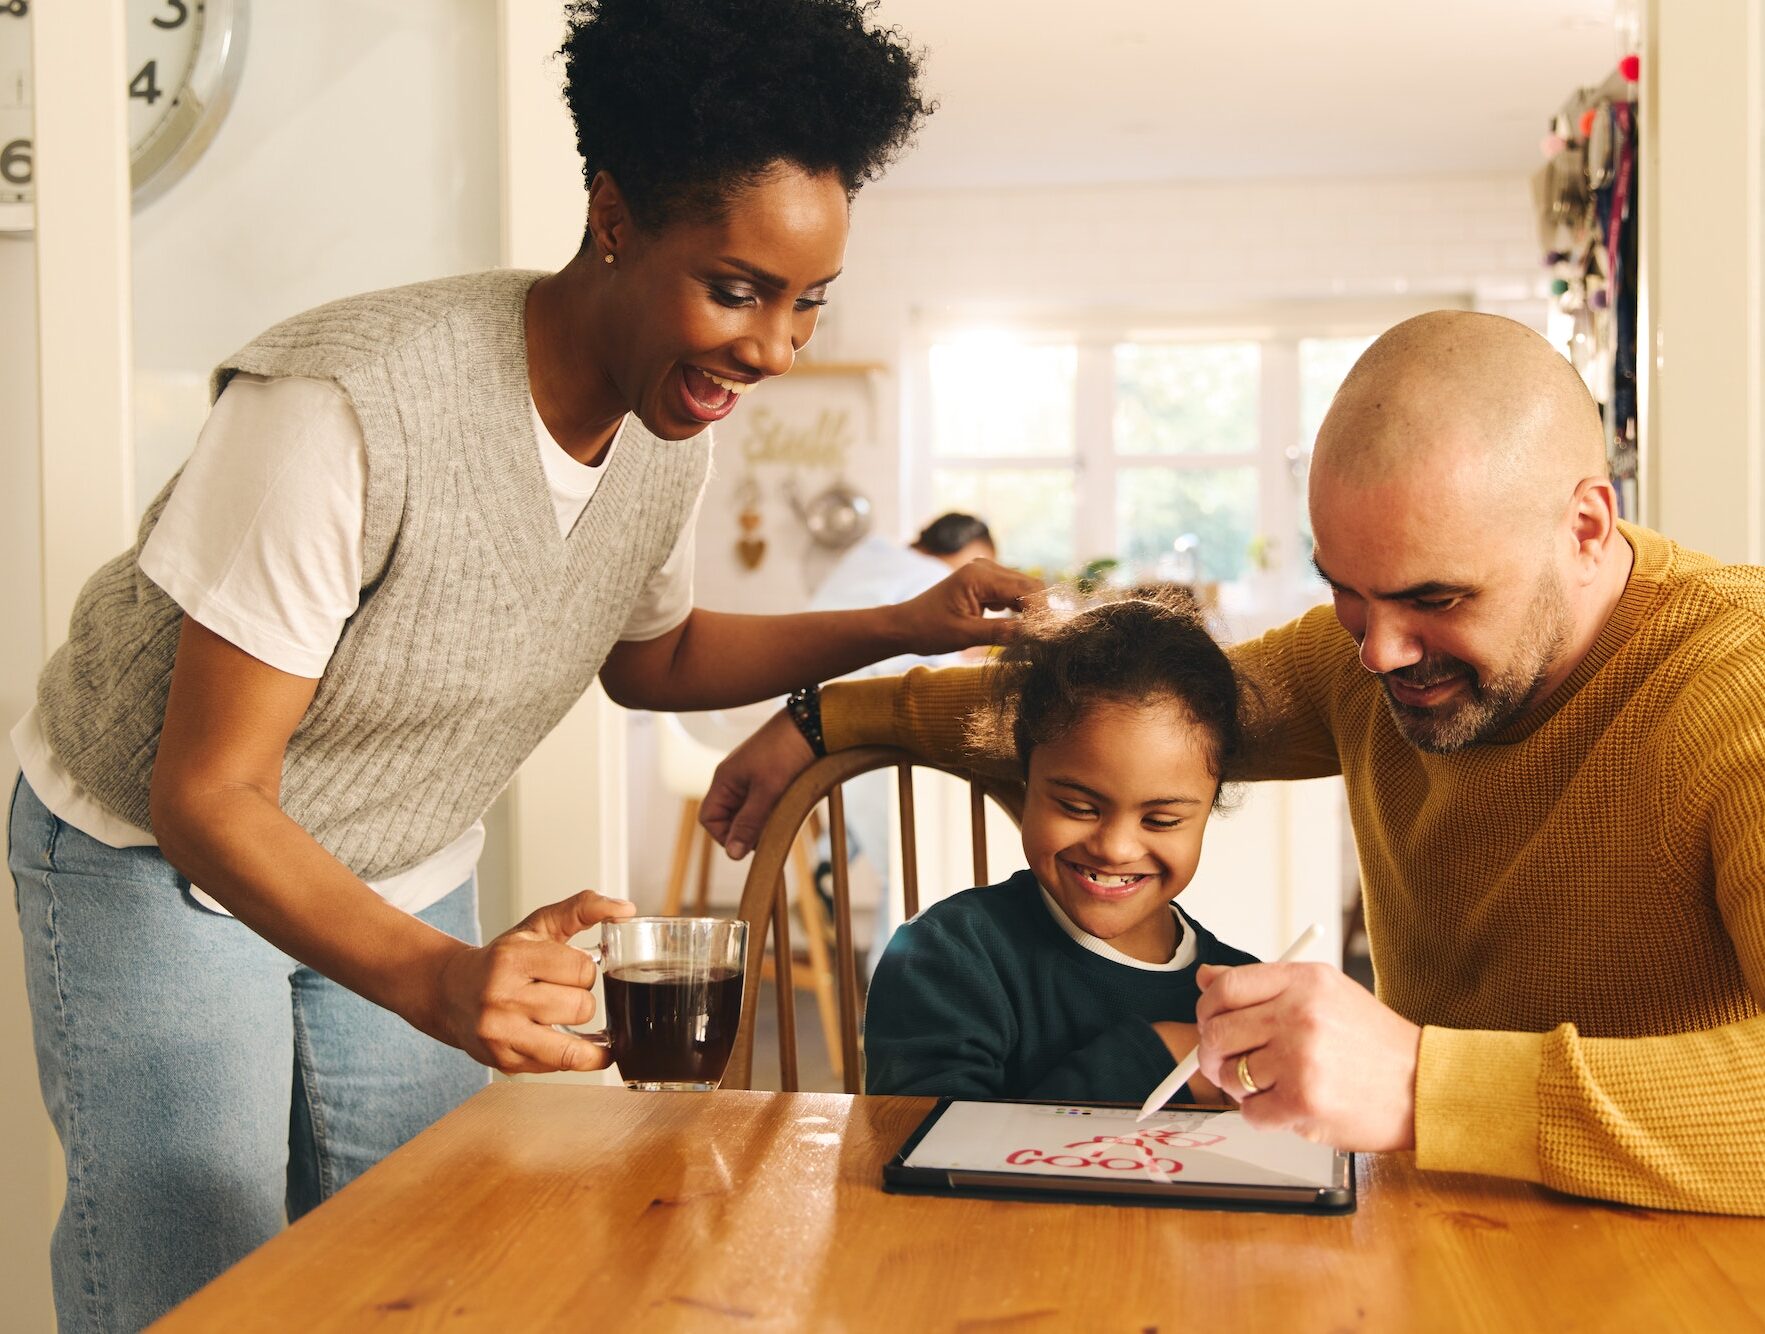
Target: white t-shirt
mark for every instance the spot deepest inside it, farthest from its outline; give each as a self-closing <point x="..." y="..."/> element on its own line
<point x="262" y="543"/>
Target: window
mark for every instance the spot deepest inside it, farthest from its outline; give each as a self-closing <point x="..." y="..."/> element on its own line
<point x="1007" y="407"/>
<point x="1324" y="364"/>
<point x="1180" y="457"/>
<point x="1186" y="434"/>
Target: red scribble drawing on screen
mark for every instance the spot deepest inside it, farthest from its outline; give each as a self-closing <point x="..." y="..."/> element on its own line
<point x="1146" y="1149"/>
<point x="1155" y="1139"/>
<point x="1172" y="1138"/>
<point x="1100" y="1159"/>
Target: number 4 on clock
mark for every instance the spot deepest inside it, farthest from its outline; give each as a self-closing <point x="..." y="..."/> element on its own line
<point x="145" y="85"/>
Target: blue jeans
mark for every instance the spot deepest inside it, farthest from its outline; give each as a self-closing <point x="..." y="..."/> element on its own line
<point x="202" y="1082"/>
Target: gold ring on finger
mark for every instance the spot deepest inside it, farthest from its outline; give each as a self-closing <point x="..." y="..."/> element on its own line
<point x="1244" y="1078"/>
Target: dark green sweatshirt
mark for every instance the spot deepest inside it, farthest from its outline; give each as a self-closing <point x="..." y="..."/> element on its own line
<point x="985" y="996"/>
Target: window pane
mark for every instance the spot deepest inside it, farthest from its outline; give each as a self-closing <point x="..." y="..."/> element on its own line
<point x="996" y="398"/>
<point x="1157" y="506"/>
<point x="1323" y="364"/>
<point x="1186" y="398"/>
<point x="1030" y="511"/>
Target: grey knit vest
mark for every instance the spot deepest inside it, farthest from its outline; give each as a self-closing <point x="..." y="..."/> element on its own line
<point x="478" y="626"/>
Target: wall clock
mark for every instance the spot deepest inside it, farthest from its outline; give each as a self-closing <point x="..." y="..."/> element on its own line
<point x="184" y="61"/>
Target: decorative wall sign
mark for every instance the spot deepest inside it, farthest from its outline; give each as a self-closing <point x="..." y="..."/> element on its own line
<point x="798" y="442"/>
<point x="798" y="439"/>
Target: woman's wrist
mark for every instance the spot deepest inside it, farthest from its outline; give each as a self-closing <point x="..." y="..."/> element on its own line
<point x="420" y="997"/>
<point x="902" y="629"/>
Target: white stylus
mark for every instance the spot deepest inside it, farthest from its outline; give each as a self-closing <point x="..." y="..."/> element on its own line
<point x="1187" y="1067"/>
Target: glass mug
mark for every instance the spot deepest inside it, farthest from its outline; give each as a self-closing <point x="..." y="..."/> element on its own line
<point x="674" y="998"/>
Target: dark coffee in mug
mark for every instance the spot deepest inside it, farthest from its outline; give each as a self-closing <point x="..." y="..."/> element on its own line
<point x="672" y="1024"/>
<point x="674" y="998"/>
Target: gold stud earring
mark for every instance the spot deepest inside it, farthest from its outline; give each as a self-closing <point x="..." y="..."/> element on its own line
<point x="606" y="259"/>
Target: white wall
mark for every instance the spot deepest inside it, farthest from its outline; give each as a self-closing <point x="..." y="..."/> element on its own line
<point x="1701" y="320"/>
<point x="361" y="152"/>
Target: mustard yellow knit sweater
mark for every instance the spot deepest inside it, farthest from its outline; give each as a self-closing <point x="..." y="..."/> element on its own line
<point x="1575" y="911"/>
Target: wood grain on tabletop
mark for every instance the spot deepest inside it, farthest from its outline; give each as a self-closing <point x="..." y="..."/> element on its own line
<point x="543" y="1206"/>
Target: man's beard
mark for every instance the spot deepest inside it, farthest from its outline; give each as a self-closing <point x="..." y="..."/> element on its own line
<point x="1488" y="705"/>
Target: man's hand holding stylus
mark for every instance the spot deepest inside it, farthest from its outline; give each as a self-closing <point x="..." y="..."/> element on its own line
<point x="1326" y="1059"/>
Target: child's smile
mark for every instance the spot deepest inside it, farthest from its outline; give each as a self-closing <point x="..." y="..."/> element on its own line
<point x="1104" y="885"/>
<point x="1113" y="820"/>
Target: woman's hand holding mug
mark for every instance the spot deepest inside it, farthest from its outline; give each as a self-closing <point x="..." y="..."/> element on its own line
<point x="498" y="1002"/>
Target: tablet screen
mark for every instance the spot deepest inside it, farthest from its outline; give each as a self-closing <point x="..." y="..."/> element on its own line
<point x="1107" y="1144"/>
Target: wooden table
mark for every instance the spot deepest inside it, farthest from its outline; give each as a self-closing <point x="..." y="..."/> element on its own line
<point x="540" y="1207"/>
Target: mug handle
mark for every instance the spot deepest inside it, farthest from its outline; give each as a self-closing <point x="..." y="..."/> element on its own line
<point x="600" y="1037"/>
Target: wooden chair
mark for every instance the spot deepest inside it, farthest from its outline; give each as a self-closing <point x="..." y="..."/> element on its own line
<point x="817" y="976"/>
<point x="765" y="904"/>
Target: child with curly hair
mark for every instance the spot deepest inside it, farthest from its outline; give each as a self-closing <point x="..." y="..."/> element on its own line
<point x="1075" y="978"/>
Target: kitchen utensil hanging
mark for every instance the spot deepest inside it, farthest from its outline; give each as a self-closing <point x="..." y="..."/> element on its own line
<point x="836" y="518"/>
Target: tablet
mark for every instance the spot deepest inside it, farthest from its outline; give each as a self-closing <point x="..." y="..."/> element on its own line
<point x="1195" y="1157"/>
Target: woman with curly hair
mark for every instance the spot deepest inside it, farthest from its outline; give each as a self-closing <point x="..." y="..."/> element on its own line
<point x="416" y="526"/>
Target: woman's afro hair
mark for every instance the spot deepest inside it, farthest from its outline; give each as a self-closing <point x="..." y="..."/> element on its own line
<point x="685" y="101"/>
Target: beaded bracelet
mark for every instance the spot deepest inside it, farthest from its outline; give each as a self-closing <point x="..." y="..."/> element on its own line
<point x="804" y="707"/>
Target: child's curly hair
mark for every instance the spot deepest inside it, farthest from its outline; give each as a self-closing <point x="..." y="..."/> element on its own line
<point x="1147" y="647"/>
<point x="684" y="101"/>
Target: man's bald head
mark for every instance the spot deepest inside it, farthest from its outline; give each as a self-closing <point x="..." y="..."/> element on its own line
<point x="1465" y="522"/>
<point x="1474" y="401"/>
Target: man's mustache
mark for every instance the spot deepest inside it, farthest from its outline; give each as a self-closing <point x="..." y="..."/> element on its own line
<point x="1430" y="672"/>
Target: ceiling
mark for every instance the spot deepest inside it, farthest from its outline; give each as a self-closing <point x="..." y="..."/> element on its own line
<point x="1039" y="91"/>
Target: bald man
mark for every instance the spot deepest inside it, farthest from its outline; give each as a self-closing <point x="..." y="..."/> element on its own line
<point x="1552" y="729"/>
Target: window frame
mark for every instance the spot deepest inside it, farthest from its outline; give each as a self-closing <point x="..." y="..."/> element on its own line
<point x="1095" y="463"/>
